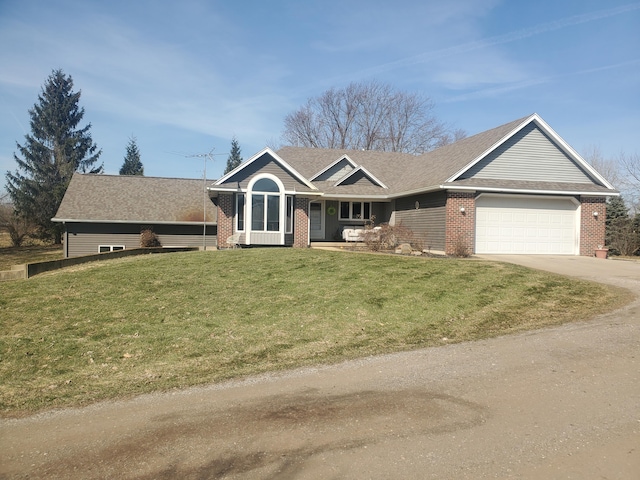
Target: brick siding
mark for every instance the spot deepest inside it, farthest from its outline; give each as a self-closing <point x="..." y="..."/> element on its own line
<point x="225" y="218"/>
<point x="460" y="228"/>
<point x="592" y="228"/>
<point x="301" y="223"/>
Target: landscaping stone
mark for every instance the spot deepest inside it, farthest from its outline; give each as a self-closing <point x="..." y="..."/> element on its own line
<point x="405" y="249"/>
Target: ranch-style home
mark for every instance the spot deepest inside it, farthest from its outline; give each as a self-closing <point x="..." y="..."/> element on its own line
<point x="515" y="189"/>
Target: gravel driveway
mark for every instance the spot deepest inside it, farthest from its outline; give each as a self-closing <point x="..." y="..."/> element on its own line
<point x="559" y="403"/>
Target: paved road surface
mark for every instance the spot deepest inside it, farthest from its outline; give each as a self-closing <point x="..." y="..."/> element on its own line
<point x="561" y="403"/>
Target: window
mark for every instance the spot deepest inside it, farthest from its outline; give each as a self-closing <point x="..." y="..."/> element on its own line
<point x="257" y="212"/>
<point x="109" y="248"/>
<point x="355" y="210"/>
<point x="265" y="208"/>
<point x="240" y="212"/>
<point x="265" y="185"/>
<point x="289" y="224"/>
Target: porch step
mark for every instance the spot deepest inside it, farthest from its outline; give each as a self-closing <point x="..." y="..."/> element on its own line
<point x="337" y="244"/>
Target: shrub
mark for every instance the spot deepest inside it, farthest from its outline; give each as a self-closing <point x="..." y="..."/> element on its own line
<point x="18" y="228"/>
<point x="388" y="237"/>
<point x="623" y="236"/>
<point x="148" y="238"/>
<point x="461" y="247"/>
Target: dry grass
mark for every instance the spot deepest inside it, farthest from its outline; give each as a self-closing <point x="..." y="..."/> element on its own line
<point x="10" y="256"/>
<point x="124" y="327"/>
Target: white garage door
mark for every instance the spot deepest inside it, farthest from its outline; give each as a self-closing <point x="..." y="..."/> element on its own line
<point x="525" y="225"/>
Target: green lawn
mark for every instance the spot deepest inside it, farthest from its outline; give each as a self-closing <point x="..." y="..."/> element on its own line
<point x="140" y="324"/>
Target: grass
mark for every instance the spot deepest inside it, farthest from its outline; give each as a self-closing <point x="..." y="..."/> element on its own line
<point x="141" y="324"/>
<point x="35" y="252"/>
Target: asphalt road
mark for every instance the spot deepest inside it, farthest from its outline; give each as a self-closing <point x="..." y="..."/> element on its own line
<point x="559" y="403"/>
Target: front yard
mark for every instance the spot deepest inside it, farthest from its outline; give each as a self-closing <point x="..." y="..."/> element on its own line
<point x="141" y="324"/>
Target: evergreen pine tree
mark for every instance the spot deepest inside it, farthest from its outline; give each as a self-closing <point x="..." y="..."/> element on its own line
<point x="132" y="164"/>
<point x="616" y="223"/>
<point x="53" y="151"/>
<point x="235" y="158"/>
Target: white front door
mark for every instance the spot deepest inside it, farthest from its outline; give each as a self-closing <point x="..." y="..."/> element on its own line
<point x="316" y="220"/>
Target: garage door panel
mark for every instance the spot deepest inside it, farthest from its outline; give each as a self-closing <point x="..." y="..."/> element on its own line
<point x="526" y="225"/>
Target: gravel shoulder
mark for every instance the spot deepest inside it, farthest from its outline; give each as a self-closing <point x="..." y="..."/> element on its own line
<point x="562" y="402"/>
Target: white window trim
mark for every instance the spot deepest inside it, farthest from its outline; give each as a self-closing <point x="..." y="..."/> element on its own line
<point x="111" y="248"/>
<point x="288" y="230"/>
<point x="249" y="205"/>
<point x="244" y="212"/>
<point x="351" y="217"/>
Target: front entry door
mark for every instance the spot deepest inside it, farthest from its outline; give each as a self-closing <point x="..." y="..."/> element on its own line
<point x="316" y="220"/>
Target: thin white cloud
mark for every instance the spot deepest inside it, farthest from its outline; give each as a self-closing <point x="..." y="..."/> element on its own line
<point x="513" y="86"/>
<point x="510" y="37"/>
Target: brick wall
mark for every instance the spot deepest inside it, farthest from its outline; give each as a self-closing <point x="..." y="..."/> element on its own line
<point x="301" y="223"/>
<point x="225" y="218"/>
<point x="460" y="226"/>
<point x="592" y="228"/>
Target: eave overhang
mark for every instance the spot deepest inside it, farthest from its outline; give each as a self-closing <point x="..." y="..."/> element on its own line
<point x="137" y="222"/>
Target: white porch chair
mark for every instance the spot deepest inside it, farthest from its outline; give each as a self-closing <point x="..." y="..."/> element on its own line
<point x="234" y="240"/>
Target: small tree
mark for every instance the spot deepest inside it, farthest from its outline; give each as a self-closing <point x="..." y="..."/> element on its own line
<point x="148" y="237"/>
<point x="624" y="236"/>
<point x="617" y="214"/>
<point x="17" y="227"/>
<point x="55" y="149"/>
<point x="235" y="158"/>
<point x="132" y="164"/>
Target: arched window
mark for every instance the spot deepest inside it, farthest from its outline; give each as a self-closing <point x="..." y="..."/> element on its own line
<point x="265" y="206"/>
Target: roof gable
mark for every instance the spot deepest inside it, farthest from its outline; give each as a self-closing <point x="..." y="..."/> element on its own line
<point x="337" y="170"/>
<point x="360" y="176"/>
<point x="529" y="154"/>
<point x="265" y="161"/>
<point x="532" y="151"/>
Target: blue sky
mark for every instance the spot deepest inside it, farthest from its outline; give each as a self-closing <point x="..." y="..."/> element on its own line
<point x="185" y="76"/>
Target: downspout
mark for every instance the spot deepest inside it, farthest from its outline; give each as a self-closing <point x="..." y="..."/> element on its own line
<point x="65" y="239"/>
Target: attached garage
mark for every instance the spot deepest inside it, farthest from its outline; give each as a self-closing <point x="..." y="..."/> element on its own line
<point x="516" y="224"/>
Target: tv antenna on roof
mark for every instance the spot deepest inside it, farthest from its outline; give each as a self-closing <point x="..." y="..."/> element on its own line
<point x="205" y="157"/>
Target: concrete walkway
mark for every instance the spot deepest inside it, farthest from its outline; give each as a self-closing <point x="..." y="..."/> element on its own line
<point x="558" y="403"/>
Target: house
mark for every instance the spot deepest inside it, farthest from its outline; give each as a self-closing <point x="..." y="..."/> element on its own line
<point x="103" y="213"/>
<point x="518" y="188"/>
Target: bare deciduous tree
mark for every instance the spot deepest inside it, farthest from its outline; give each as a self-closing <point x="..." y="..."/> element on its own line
<point x="18" y="228"/>
<point x="368" y="116"/>
<point x="631" y="169"/>
<point x="609" y="168"/>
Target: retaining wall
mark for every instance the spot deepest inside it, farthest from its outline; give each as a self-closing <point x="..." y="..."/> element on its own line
<point x="30" y="269"/>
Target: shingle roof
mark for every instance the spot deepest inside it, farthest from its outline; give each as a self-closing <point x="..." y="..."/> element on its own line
<point x="134" y="199"/>
<point x="401" y="172"/>
<point x="404" y="173"/>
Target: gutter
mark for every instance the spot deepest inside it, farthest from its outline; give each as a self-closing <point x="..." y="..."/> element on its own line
<point x="154" y="222"/>
<point x="535" y="192"/>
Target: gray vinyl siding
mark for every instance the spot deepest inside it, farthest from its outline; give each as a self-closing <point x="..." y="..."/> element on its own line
<point x="359" y="178"/>
<point x="428" y="221"/>
<point x="85" y="238"/>
<point x="529" y="155"/>
<point x="381" y="211"/>
<point x="335" y="173"/>
<point x="265" y="238"/>
<point x="265" y="164"/>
